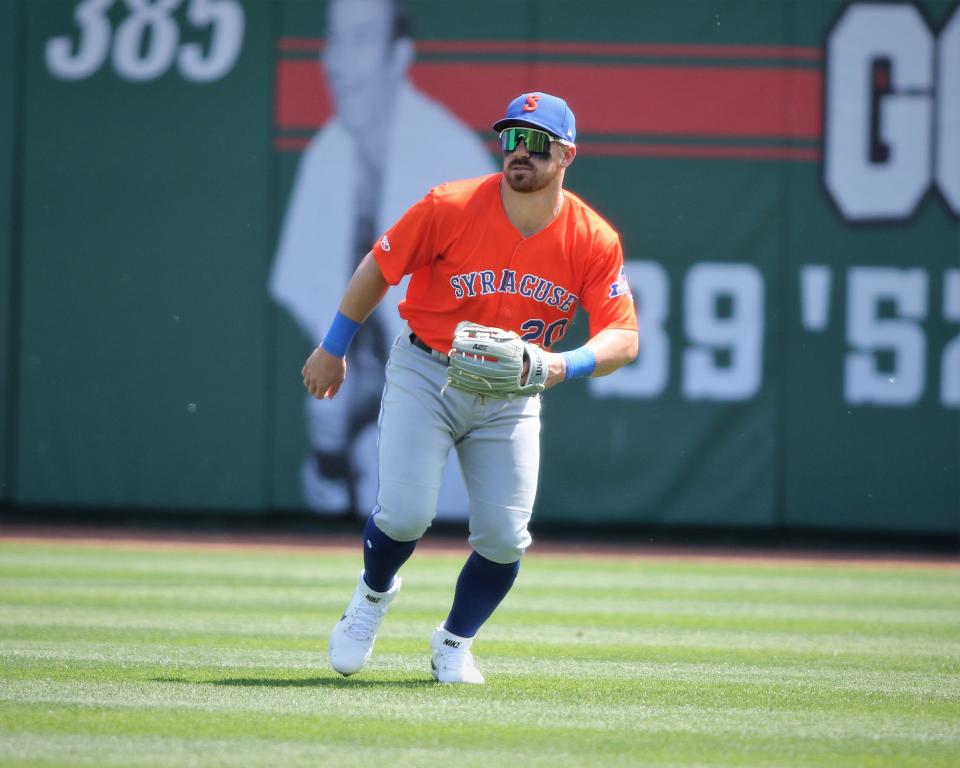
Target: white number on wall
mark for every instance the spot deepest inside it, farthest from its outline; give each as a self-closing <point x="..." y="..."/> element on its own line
<point x="869" y="291"/>
<point x="950" y="362"/>
<point x="92" y="46"/>
<point x="227" y="22"/>
<point x="723" y="311"/>
<point x="147" y="40"/>
<point x="725" y="358"/>
<point x="737" y="334"/>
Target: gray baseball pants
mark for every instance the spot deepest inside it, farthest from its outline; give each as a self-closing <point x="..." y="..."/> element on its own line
<point x="497" y="441"/>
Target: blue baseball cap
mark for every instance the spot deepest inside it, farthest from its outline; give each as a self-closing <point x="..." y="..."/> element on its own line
<point x="543" y="111"/>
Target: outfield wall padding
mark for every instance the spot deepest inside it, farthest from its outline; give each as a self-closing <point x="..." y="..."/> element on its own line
<point x="785" y="177"/>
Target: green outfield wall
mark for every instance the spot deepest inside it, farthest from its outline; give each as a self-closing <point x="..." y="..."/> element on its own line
<point x="785" y="177"/>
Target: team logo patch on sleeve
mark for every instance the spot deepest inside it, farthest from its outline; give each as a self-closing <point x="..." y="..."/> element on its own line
<point x="384" y="244"/>
<point x="620" y="287"/>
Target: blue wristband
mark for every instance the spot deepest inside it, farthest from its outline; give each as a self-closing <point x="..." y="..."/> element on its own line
<point x="339" y="335"/>
<point x="580" y="362"/>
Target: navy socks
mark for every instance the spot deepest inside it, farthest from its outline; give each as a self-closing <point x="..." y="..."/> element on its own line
<point x="481" y="587"/>
<point x="382" y="557"/>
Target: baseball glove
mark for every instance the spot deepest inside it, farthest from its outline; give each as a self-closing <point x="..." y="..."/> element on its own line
<point x="489" y="361"/>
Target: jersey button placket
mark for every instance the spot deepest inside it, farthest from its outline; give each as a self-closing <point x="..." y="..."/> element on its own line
<point x="504" y="313"/>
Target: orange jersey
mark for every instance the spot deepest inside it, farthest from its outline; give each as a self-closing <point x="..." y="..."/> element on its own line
<point x="468" y="262"/>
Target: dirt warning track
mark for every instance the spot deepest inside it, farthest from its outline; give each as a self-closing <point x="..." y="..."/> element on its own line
<point x="132" y="537"/>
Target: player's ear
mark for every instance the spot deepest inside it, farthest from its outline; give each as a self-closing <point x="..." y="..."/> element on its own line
<point x="568" y="154"/>
<point x="402" y="56"/>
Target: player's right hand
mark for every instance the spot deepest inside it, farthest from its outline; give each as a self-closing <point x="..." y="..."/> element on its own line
<point x="323" y="373"/>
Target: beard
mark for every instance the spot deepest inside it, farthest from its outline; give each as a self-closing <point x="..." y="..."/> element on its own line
<point x="524" y="176"/>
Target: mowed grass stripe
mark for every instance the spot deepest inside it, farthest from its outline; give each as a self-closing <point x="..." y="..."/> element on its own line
<point x="41" y="750"/>
<point x="156" y="663"/>
<point x="596" y="745"/>
<point x="779" y="686"/>
<point x="595" y="742"/>
<point x="650" y="684"/>
<point x="308" y="599"/>
<point x="516" y="658"/>
<point x="282" y="698"/>
<point x="592" y="635"/>
<point x="551" y="574"/>
<point x="638" y="621"/>
<point x="589" y="662"/>
<point x="576" y="575"/>
<point x="665" y="750"/>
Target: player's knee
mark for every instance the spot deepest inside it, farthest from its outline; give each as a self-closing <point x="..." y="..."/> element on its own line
<point x="403" y="529"/>
<point x="501" y="547"/>
<point x="405" y="516"/>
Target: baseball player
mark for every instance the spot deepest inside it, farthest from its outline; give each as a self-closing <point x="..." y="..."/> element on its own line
<point x="498" y="265"/>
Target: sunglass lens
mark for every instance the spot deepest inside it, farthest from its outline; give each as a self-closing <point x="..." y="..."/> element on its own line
<point x="535" y="141"/>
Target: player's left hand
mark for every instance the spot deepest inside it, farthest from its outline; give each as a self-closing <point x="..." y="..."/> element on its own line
<point x="323" y="373"/>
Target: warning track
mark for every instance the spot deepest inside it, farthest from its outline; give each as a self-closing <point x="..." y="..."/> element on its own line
<point x="122" y="536"/>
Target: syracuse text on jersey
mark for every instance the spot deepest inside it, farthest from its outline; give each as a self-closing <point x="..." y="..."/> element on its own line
<point x="534" y="287"/>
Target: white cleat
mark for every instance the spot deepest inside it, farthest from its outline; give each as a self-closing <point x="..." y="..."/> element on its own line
<point x="452" y="661"/>
<point x="351" y="641"/>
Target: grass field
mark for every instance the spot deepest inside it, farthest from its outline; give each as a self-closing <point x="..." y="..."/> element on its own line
<point x="135" y="655"/>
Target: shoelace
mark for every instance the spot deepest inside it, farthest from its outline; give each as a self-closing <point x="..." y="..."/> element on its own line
<point x="364" y="622"/>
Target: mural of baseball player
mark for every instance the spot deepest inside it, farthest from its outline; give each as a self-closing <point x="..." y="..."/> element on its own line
<point x="384" y="147"/>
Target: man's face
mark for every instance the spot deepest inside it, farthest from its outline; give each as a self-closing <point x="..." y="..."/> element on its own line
<point x="526" y="172"/>
<point x="357" y="60"/>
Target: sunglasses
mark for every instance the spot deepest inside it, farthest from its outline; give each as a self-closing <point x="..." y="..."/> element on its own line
<point x="536" y="142"/>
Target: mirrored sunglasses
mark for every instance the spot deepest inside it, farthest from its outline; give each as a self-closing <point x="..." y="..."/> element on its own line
<point x="536" y="142"/>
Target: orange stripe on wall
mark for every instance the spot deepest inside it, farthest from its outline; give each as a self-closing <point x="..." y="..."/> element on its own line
<point x="302" y="97"/>
<point x="769" y="102"/>
<point x="649" y="50"/>
<point x="626" y="149"/>
<point x="579" y="48"/>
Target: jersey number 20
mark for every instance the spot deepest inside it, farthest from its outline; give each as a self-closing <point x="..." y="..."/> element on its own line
<point x="538" y="332"/>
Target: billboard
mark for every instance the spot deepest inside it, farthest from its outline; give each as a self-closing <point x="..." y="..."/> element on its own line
<point x="199" y="176"/>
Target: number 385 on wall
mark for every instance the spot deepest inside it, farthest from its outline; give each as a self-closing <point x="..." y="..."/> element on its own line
<point x="146" y="42"/>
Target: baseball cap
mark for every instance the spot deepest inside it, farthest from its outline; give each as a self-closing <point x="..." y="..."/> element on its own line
<point x="543" y="111"/>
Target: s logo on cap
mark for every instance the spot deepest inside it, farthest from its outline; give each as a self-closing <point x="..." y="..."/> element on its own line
<point x="531" y="104"/>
